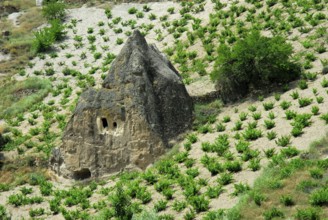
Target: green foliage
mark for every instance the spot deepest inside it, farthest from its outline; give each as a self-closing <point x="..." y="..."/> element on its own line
<point x="308" y="214"/>
<point x="273" y="213"/>
<point x="3" y="213"/>
<point x="287" y="200"/>
<point x="269" y="124"/>
<point x="160" y="205"/>
<point x="283" y="141"/>
<point x="121" y="203"/>
<point x="304" y="102"/>
<point x="319" y="197"/>
<point x="199" y="203"/>
<point x="324" y="117"/>
<point x="46" y="37"/>
<point x="254" y="61"/>
<point x="225" y="178"/>
<point x="240" y="188"/>
<point x="285" y="105"/>
<point x="54" y="10"/>
<point x="36" y="212"/>
<point x="10" y="105"/>
<point x="252" y="134"/>
<point x="268" y="106"/>
<point x="206" y="113"/>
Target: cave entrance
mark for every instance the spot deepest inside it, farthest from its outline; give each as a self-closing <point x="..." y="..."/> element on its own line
<point x="82" y="174"/>
<point x="114" y="125"/>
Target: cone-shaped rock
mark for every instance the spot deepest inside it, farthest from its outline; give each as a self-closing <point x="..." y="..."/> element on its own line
<point x="141" y="106"/>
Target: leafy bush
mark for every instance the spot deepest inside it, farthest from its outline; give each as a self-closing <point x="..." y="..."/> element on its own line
<point x="307" y="214"/>
<point x="240" y="188"/>
<point x="268" y="106"/>
<point x="283" y="141"/>
<point x="273" y="213"/>
<point x="199" y="203"/>
<point x="304" y="102"/>
<point x="324" y="117"/>
<point x="54" y="10"/>
<point x="287" y="200"/>
<point x="3" y="213"/>
<point x="252" y="134"/>
<point x="160" y="205"/>
<point x="285" y="105"/>
<point x="253" y="61"/>
<point x="319" y="197"/>
<point x="121" y="203"/>
<point x="45" y="37"/>
<point x="43" y="40"/>
<point x="269" y="124"/>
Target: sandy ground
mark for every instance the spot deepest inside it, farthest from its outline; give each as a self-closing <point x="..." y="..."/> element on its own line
<point x="4" y="57"/>
<point x="14" y="17"/>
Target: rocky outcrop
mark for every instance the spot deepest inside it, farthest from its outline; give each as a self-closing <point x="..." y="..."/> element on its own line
<point x="141" y="106"/>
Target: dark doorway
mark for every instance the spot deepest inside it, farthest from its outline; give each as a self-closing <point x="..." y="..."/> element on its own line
<point x="114" y="125"/>
<point x="82" y="174"/>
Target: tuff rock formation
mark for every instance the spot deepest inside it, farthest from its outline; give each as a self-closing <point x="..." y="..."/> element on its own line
<point x="141" y="106"/>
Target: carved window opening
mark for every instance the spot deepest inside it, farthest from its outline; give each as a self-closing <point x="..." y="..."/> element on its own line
<point x="104" y="123"/>
<point x="114" y="125"/>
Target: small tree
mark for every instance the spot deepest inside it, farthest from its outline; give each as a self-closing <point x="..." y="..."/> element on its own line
<point x="53" y="9"/>
<point x="253" y="62"/>
<point x="121" y="203"/>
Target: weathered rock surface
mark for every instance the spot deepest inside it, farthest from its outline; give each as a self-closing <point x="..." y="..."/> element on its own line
<point x="141" y="106"/>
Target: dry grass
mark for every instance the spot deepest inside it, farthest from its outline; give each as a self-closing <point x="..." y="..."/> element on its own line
<point x="20" y="4"/>
<point x="19" y="42"/>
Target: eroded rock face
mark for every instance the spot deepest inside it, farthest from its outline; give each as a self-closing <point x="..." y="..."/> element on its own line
<point x="141" y="106"/>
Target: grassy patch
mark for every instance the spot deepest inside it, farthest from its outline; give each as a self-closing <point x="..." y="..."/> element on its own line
<point x="17" y="97"/>
<point x="299" y="194"/>
<point x="206" y="113"/>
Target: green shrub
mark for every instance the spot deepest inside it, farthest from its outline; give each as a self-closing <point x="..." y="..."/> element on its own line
<point x="256" y="115"/>
<point x="160" y="205"/>
<point x="199" y="203"/>
<point x="269" y="124"/>
<point x="225" y="178"/>
<point x="36" y="212"/>
<point x="240" y="188"/>
<point x="273" y="213"/>
<point x="285" y="105"/>
<point x="268" y="106"/>
<point x="253" y="61"/>
<point x="45" y="37"/>
<point x="302" y="84"/>
<point x="3" y="213"/>
<point x="258" y="197"/>
<point x="308" y="214"/>
<point x="252" y="134"/>
<point x="324" y="117"/>
<point x="121" y="203"/>
<point x="220" y="127"/>
<point x="214" y="192"/>
<point x="283" y="141"/>
<point x="243" y="116"/>
<point x="304" y="102"/>
<point x="54" y="10"/>
<point x="295" y="95"/>
<point x="316" y="173"/>
<point x="319" y="197"/>
<point x="233" y="166"/>
<point x="287" y="200"/>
